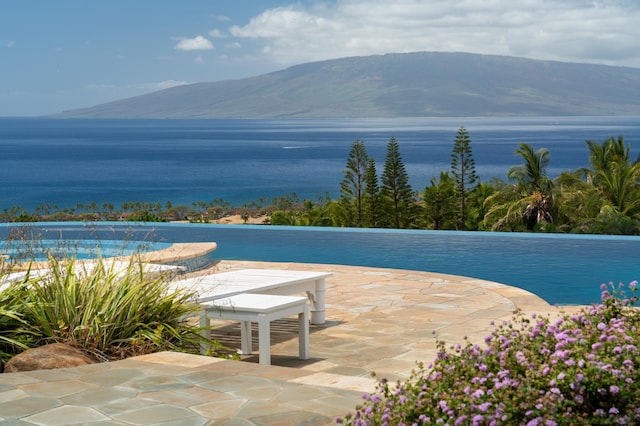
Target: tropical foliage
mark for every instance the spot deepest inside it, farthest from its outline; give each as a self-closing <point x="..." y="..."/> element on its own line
<point x="579" y="369"/>
<point x="102" y="310"/>
<point x="440" y="203"/>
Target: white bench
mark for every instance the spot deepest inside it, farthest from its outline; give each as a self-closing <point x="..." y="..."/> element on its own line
<point x="262" y="309"/>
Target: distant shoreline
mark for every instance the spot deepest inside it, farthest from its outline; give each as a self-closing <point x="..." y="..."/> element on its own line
<point x="234" y="219"/>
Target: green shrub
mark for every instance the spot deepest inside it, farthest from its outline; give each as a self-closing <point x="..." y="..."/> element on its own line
<point x="12" y="337"/>
<point x="580" y="369"/>
<point x="103" y="310"/>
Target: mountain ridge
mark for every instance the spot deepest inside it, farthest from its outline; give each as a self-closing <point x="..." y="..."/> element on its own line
<point x="396" y="85"/>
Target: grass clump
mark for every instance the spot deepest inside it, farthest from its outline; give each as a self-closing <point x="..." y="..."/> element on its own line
<point x="12" y="335"/>
<point x="103" y="310"/>
<point x="579" y="369"/>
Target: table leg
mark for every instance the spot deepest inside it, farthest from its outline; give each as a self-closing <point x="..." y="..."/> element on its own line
<point x="245" y="338"/>
<point x="318" y="303"/>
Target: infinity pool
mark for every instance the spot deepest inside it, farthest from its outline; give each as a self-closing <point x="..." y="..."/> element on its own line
<point x="39" y="250"/>
<point x="562" y="269"/>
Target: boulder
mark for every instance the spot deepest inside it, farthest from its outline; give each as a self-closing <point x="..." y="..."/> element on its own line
<point x="55" y="355"/>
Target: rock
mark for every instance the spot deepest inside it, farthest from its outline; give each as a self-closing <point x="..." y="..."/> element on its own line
<point x="55" y="355"/>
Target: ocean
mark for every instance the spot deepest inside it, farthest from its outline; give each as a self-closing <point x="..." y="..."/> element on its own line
<point x="66" y="162"/>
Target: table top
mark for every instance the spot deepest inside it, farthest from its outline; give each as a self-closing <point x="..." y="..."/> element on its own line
<point x="225" y="284"/>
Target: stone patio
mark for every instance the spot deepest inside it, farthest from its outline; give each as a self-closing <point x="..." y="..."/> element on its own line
<point x="378" y="320"/>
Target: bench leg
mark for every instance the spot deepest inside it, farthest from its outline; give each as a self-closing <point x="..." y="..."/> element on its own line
<point x="245" y="338"/>
<point x="303" y="334"/>
<point x="205" y="327"/>
<point x="264" y="340"/>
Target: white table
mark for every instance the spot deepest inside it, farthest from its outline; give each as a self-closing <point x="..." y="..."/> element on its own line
<point x="263" y="281"/>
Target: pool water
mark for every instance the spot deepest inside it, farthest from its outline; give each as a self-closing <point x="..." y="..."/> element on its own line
<point x="562" y="269"/>
<point x="39" y="250"/>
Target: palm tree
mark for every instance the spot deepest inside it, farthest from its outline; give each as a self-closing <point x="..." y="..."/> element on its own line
<point x="601" y="155"/>
<point x="578" y="202"/>
<point x="532" y="175"/>
<point x="530" y="199"/>
<point x="619" y="185"/>
<point x="504" y="209"/>
<point x="477" y="206"/>
<point x="615" y="175"/>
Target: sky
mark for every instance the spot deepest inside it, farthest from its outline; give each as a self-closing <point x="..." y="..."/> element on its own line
<point x="58" y="55"/>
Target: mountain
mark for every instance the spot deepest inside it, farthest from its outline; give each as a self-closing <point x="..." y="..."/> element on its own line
<point x="397" y="85"/>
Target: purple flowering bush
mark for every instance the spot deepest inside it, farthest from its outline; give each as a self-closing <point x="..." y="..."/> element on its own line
<point x="580" y="369"/>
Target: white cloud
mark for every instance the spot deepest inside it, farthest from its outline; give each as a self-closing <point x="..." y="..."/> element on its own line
<point x="216" y="33"/>
<point x="133" y="89"/>
<point x="10" y="44"/>
<point x="164" y="84"/>
<point x="196" y="43"/>
<point x="602" y="31"/>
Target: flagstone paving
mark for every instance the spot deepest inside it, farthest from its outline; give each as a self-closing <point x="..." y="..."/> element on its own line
<point x="378" y="320"/>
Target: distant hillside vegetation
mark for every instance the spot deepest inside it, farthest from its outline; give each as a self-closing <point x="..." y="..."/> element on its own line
<point x="397" y="85"/>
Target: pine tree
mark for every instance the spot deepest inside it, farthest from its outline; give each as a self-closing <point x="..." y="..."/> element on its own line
<point x="353" y="184"/>
<point x="396" y="192"/>
<point x="371" y="196"/>
<point x="463" y="170"/>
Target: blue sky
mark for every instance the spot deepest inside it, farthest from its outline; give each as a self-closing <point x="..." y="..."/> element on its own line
<point x="58" y="55"/>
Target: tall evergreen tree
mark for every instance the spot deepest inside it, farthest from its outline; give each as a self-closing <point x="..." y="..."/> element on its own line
<point x="463" y="169"/>
<point x="353" y="183"/>
<point x="371" y="196"/>
<point x="396" y="192"/>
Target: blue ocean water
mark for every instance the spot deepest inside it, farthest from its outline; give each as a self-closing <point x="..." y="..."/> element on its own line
<point x="65" y="162"/>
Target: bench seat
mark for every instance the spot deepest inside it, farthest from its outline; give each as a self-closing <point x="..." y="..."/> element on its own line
<point x="261" y="309"/>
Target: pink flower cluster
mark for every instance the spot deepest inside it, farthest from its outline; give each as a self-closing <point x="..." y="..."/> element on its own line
<point x="579" y="369"/>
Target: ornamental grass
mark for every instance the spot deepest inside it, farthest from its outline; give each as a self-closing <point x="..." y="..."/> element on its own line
<point x="12" y="336"/>
<point x="580" y="369"/>
<point x="102" y="310"/>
